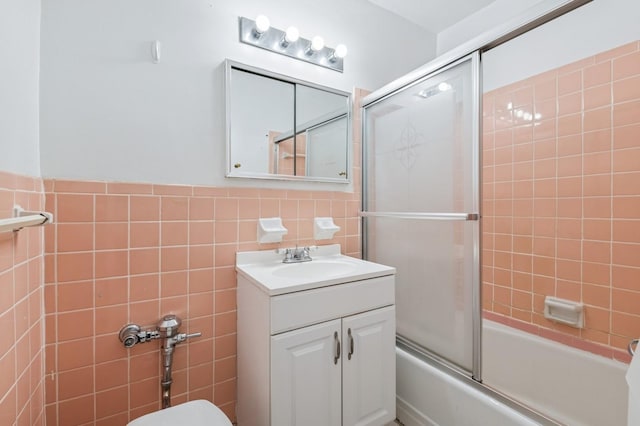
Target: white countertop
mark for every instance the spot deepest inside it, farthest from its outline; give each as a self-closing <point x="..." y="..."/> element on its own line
<point x="328" y="267"/>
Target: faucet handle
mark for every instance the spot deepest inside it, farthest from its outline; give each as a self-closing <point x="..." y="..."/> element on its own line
<point x="306" y="253"/>
<point x="288" y="254"/>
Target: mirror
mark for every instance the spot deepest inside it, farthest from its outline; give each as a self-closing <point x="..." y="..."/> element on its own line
<point x="282" y="128"/>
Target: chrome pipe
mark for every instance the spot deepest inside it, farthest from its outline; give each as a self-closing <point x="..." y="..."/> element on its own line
<point x="168" y="330"/>
<point x="167" y="364"/>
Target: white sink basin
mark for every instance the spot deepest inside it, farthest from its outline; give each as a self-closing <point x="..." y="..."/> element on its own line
<point x="328" y="267"/>
<point x="319" y="267"/>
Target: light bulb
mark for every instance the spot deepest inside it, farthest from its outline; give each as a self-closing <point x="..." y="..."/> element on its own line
<point x="292" y="35"/>
<point x="262" y="24"/>
<point x="317" y="43"/>
<point x="341" y="51"/>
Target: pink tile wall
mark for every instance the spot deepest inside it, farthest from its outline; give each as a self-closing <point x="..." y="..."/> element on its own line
<point x="561" y="172"/>
<point x="131" y="253"/>
<point x="126" y="252"/>
<point x="21" y="313"/>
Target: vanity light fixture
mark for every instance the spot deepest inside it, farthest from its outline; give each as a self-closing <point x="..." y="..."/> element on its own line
<point x="260" y="33"/>
<point x="316" y="45"/>
<point x="339" y="53"/>
<point x="290" y="36"/>
<point x="261" y="27"/>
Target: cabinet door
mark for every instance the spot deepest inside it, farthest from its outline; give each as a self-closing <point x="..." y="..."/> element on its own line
<point x="306" y="376"/>
<point x="369" y="368"/>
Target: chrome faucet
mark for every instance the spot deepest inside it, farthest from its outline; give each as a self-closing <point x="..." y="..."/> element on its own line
<point x="295" y="255"/>
<point x="166" y="329"/>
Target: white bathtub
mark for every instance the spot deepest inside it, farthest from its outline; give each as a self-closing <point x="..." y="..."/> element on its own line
<point x="574" y="387"/>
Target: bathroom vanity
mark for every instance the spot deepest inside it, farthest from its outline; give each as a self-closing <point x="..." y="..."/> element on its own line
<point x="316" y="340"/>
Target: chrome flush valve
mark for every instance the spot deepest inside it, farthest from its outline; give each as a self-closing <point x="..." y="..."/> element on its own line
<point x="167" y="328"/>
<point x="129" y="335"/>
<point x="132" y="334"/>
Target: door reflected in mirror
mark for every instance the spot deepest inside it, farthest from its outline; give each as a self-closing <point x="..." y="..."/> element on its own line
<point x="282" y="128"/>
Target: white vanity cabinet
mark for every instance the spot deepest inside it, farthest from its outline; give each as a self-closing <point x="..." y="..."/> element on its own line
<point x="368" y="400"/>
<point x="306" y="383"/>
<point x="319" y="355"/>
<point x="336" y="372"/>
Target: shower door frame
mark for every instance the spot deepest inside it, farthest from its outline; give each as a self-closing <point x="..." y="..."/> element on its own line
<point x="476" y="278"/>
<point x="534" y="17"/>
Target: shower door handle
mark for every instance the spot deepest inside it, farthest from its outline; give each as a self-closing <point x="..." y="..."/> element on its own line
<point x="424" y="216"/>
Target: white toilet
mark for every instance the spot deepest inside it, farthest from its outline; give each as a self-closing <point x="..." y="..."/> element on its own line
<point x="193" y="413"/>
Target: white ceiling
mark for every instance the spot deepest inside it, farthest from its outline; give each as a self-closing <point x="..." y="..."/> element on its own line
<point x="433" y="15"/>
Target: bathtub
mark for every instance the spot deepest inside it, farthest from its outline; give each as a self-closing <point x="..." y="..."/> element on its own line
<point x="573" y="387"/>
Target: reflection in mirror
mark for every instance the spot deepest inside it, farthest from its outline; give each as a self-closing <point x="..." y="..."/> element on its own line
<point x="321" y="126"/>
<point x="260" y="107"/>
<point x="283" y="128"/>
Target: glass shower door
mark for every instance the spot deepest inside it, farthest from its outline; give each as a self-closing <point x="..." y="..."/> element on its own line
<point x="421" y="208"/>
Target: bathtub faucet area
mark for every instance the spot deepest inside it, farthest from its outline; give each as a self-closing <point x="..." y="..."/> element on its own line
<point x="167" y="329"/>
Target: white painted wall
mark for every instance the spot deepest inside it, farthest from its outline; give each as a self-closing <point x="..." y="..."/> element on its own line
<point x="593" y="28"/>
<point x="19" y="68"/>
<point x="486" y="19"/>
<point x="109" y="113"/>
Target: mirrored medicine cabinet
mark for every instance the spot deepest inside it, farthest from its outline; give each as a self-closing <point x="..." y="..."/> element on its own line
<point x="279" y="127"/>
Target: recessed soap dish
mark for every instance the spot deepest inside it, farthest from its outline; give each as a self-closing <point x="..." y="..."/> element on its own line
<point x="271" y="230"/>
<point x="324" y="228"/>
<point x="564" y="311"/>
